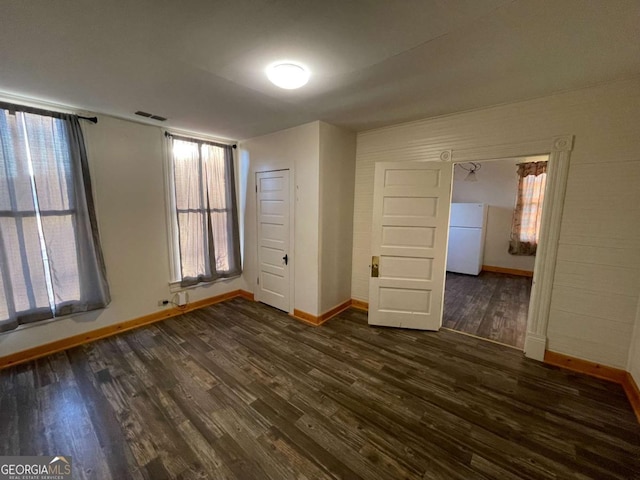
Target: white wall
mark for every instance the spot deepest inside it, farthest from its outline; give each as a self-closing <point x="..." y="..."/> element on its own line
<point x="633" y="365"/>
<point x="497" y="186"/>
<point x="321" y="160"/>
<point x="126" y="167"/>
<point x="597" y="279"/>
<point x="297" y="149"/>
<point x="337" y="179"/>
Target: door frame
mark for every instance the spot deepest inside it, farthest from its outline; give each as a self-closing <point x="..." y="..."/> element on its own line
<point x="559" y="150"/>
<point x="292" y="203"/>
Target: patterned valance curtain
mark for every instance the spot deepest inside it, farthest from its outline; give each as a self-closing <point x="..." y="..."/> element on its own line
<point x="50" y="258"/>
<point x="527" y="215"/>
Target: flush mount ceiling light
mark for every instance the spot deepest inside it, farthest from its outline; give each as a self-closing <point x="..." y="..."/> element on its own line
<point x="288" y="75"/>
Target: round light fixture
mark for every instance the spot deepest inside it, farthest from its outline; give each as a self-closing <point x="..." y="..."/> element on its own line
<point x="288" y="75"/>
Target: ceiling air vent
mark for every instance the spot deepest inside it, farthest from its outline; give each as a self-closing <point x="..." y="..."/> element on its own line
<point x="151" y="116"/>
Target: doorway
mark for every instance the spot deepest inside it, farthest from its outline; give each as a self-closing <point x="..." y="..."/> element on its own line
<point x="559" y="150"/>
<point x="491" y="248"/>
<point x="274" y="238"/>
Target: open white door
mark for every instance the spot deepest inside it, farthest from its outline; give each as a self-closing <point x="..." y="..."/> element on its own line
<point x="411" y="203"/>
<point x="272" y="193"/>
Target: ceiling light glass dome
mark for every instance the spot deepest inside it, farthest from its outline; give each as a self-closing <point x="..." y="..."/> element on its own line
<point x="288" y="75"/>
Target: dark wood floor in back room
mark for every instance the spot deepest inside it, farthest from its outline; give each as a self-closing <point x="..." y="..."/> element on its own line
<point x="491" y="305"/>
<point x="239" y="390"/>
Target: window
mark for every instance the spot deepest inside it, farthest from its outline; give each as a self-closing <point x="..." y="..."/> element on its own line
<point x="205" y="219"/>
<point x="525" y="227"/>
<point x="50" y="258"/>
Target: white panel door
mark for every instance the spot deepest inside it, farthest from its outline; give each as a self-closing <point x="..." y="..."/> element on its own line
<point x="272" y="193"/>
<point x="409" y="244"/>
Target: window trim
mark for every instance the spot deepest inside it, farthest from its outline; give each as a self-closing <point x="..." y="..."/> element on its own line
<point x="170" y="203"/>
<point x="51" y="107"/>
<point x="57" y="111"/>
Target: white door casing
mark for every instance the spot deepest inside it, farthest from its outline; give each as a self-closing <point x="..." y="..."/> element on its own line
<point x="409" y="244"/>
<point x="559" y="150"/>
<point x="273" y="235"/>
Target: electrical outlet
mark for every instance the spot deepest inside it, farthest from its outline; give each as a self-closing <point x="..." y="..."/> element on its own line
<point x="163" y="303"/>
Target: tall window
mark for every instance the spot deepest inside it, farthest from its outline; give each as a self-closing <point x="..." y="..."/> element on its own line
<point x="525" y="227"/>
<point x="206" y="218"/>
<point x="50" y="258"/>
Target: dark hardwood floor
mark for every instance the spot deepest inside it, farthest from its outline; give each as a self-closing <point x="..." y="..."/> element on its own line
<point x="491" y="305"/>
<point x="239" y="390"/>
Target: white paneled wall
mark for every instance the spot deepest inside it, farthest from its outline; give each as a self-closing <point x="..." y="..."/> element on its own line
<point x="597" y="281"/>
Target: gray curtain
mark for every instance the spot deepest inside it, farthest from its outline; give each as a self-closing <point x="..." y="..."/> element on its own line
<point x="51" y="263"/>
<point x="206" y="210"/>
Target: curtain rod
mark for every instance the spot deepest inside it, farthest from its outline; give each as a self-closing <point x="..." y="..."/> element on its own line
<point x="181" y="137"/>
<point x="14" y="107"/>
<point x="537" y="161"/>
<point x="89" y="119"/>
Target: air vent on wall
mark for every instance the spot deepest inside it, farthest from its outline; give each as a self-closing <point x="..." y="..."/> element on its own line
<point x="151" y="116"/>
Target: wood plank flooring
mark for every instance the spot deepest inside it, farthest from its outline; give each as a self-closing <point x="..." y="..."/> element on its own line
<point x="491" y="305"/>
<point x="240" y="391"/>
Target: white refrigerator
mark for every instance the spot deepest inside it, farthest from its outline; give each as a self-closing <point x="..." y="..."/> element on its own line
<point x="467" y="231"/>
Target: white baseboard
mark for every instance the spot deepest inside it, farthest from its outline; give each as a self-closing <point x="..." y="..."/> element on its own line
<point x="535" y="346"/>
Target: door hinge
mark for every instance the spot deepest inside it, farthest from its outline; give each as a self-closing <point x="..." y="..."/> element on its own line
<point x="258" y="280"/>
<point x="256" y="188"/>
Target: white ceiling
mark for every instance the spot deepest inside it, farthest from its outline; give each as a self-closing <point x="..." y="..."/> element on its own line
<point x="373" y="62"/>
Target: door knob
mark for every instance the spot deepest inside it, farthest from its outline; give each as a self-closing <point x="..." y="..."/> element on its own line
<point x="375" y="265"/>
<point x="286" y="259"/>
